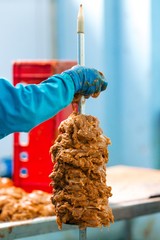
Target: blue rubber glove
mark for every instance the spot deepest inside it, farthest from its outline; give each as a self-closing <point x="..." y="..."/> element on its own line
<point x="87" y="81"/>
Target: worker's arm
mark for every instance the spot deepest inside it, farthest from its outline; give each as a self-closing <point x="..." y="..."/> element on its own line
<point x="24" y="107"/>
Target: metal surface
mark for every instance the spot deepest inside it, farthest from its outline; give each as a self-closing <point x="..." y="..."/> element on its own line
<point x="121" y="211"/>
<point x="21" y="229"/>
<point x="132" y="209"/>
<point x="134" y="204"/>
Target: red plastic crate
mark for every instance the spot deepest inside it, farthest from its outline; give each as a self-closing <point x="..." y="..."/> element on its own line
<point x="32" y="161"/>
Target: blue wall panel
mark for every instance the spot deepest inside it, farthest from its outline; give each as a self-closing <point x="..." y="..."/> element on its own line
<point x="118" y="42"/>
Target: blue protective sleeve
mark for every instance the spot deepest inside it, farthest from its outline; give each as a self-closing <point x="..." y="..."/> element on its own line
<point x="24" y="107"/>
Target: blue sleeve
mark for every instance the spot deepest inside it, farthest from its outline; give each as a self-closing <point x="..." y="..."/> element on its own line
<point x="24" y="107"/>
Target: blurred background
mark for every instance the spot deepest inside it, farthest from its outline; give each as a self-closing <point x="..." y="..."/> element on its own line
<point x="122" y="40"/>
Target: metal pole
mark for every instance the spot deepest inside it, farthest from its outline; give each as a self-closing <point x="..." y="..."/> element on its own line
<point x="81" y="61"/>
<point x="81" y="51"/>
<point x="82" y="234"/>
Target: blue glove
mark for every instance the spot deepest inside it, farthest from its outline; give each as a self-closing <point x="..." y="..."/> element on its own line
<point x="87" y="81"/>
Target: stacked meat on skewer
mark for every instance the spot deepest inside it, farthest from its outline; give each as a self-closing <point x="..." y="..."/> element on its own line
<point x="80" y="192"/>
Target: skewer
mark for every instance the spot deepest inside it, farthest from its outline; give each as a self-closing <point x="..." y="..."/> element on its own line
<point x="81" y="61"/>
<point x="81" y="52"/>
<point x="82" y="234"/>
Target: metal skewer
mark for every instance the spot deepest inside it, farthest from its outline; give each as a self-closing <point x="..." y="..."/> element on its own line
<point x="82" y="234"/>
<point x="81" y="52"/>
<point x="81" y="61"/>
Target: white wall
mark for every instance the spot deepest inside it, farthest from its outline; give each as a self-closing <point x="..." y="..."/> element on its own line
<point x="27" y="31"/>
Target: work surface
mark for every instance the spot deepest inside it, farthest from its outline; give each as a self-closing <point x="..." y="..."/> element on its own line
<point x="136" y="192"/>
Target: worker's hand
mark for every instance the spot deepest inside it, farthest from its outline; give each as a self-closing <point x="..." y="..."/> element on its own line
<point x="87" y="81"/>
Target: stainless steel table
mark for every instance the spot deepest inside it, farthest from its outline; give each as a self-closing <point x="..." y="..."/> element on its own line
<point x="136" y="192"/>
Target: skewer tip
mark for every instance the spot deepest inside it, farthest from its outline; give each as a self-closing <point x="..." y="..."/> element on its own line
<point x="80" y="23"/>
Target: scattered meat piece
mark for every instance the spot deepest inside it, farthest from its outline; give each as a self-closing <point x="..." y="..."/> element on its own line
<point x="16" y="204"/>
